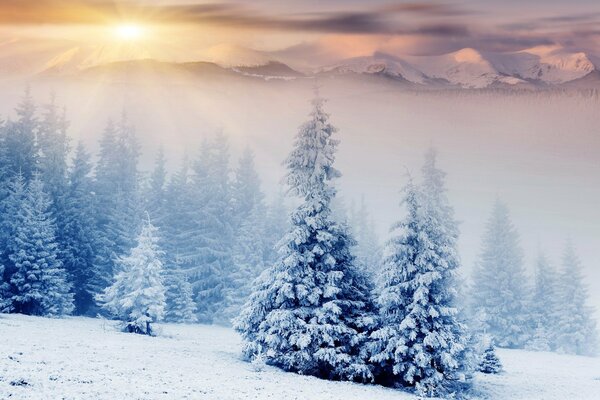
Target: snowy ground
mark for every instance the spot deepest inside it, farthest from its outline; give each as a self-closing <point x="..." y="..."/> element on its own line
<point x="80" y="358"/>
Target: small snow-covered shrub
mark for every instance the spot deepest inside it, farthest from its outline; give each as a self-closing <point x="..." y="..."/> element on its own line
<point x="490" y="364"/>
<point x="259" y="362"/>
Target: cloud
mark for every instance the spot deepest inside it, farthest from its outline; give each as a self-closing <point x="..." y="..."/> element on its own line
<point x="427" y="9"/>
<point x="375" y="20"/>
<point x="440" y="26"/>
<point x="571" y="18"/>
<point x="568" y="21"/>
<point x="378" y="20"/>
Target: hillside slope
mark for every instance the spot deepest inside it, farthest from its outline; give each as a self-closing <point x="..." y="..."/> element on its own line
<point x="82" y="358"/>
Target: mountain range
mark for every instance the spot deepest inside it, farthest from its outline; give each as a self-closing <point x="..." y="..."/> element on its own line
<point x="472" y="69"/>
<point x="538" y="67"/>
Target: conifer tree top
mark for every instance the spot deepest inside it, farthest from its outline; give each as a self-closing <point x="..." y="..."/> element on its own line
<point x="310" y="163"/>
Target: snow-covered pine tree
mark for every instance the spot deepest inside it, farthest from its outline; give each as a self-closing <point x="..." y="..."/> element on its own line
<point x="577" y="331"/>
<point x="340" y="212"/>
<point x="126" y="216"/>
<point x="53" y="144"/>
<point x="445" y="230"/>
<point x="79" y="234"/>
<point x="137" y="295"/>
<point x="124" y="221"/>
<point x="368" y="250"/>
<point x="118" y="203"/>
<point x="180" y="305"/>
<point x="540" y="339"/>
<point x="209" y="258"/>
<point x="245" y="189"/>
<point x="5" y="173"/>
<point x="165" y="204"/>
<point x="499" y="287"/>
<point x="5" y="179"/>
<point x="155" y="197"/>
<point x="249" y="204"/>
<point x="5" y="302"/>
<point x="180" y="237"/>
<point x="544" y="307"/>
<point x="248" y="262"/>
<point x="490" y="364"/>
<point x="434" y="190"/>
<point x="22" y="151"/>
<point x="249" y="256"/>
<point x="10" y="206"/>
<point x="39" y="282"/>
<point x="311" y="312"/>
<point x="105" y="187"/>
<point x="421" y="342"/>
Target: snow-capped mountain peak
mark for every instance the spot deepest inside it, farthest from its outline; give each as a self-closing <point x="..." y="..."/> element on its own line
<point x="466" y="67"/>
<point x="556" y="65"/>
<point x="468" y="55"/>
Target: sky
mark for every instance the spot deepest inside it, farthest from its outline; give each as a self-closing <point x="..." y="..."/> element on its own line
<point x="183" y="30"/>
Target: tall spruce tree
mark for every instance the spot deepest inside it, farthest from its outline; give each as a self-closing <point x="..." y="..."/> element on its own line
<point x="545" y="307"/>
<point x="137" y="295"/>
<point x="248" y="263"/>
<point x="126" y="217"/>
<point x="105" y="188"/>
<point x="179" y="226"/>
<point x="435" y="195"/>
<point x="5" y="175"/>
<point x="5" y="178"/>
<point x="499" y="287"/>
<point x="5" y="302"/>
<point x="80" y="236"/>
<point x="577" y="331"/>
<point x="210" y="257"/>
<point x="54" y="147"/>
<point x="39" y="282"/>
<point x="118" y="202"/>
<point x="422" y="343"/>
<point x="249" y="254"/>
<point x="368" y="250"/>
<point x="311" y="312"/>
<point x="53" y="144"/>
<point x="10" y="207"/>
<point x="246" y="193"/>
<point x="156" y="192"/>
<point x="20" y="139"/>
<point x="180" y="306"/>
<point x="179" y="240"/>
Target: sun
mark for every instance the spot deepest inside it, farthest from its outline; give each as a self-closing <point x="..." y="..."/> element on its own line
<point x="129" y="32"/>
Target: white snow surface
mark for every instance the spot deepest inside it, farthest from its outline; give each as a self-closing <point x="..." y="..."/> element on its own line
<point x="84" y="358"/>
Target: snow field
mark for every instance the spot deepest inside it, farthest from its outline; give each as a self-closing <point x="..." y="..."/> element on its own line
<point x="83" y="358"/>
